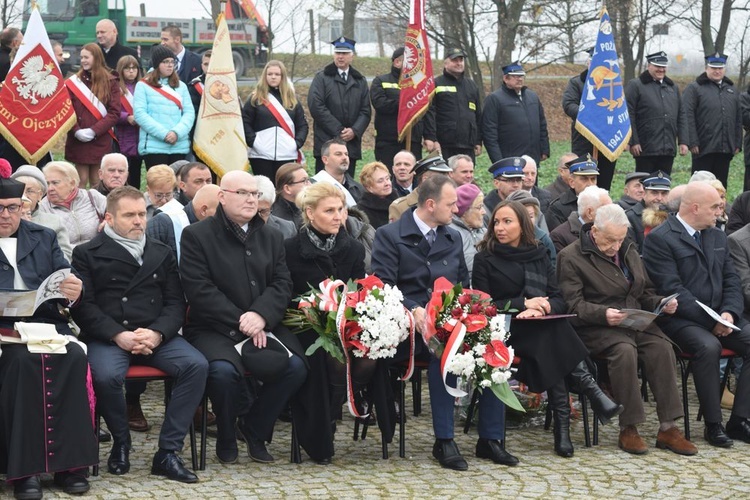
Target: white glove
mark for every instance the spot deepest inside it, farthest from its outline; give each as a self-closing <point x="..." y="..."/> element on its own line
<point x="85" y="135"/>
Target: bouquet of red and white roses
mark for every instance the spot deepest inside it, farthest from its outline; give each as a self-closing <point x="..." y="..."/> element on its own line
<point x="466" y="332"/>
<point x="362" y="318"/>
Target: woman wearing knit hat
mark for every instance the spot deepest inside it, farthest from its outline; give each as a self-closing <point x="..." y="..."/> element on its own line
<point x="469" y="220"/>
<point x="164" y="111"/>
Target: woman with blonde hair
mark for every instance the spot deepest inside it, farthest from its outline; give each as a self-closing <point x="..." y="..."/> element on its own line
<point x="127" y="128"/>
<point x="378" y="195"/>
<point x="322" y="249"/>
<point x="275" y="124"/>
<point x="95" y="94"/>
<point x="81" y="210"/>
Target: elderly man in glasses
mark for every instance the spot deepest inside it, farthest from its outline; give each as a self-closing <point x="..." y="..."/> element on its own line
<point x="236" y="280"/>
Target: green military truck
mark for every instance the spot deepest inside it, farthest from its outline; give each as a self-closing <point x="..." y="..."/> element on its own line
<point x="73" y="23"/>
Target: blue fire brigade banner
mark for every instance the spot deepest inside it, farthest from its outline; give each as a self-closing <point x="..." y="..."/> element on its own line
<point x="603" y="114"/>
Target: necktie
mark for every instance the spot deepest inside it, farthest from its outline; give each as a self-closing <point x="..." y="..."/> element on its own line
<point x="343" y="75"/>
<point x="177" y="63"/>
<point x="698" y="239"/>
<point x="430" y="236"/>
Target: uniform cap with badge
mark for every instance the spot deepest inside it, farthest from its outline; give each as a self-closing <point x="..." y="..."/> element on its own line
<point x="343" y="45"/>
<point x="657" y="181"/>
<point x="432" y="163"/>
<point x="583" y="165"/>
<point x="454" y="53"/>
<point x="658" y="59"/>
<point x="514" y="69"/>
<point x="716" y="60"/>
<point x="508" y="168"/>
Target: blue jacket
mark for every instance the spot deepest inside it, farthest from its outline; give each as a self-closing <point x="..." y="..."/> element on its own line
<point x="401" y="256"/>
<point x="157" y="116"/>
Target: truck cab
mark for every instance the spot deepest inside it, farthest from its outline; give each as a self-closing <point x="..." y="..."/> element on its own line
<point x="73" y="23"/>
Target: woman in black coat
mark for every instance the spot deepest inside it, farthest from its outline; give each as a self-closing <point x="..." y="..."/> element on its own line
<point x="323" y="250"/>
<point x="378" y="195"/>
<point x="513" y="267"/>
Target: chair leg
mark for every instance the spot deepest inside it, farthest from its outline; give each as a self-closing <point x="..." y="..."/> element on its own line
<point x="685" y="372"/>
<point x="470" y="410"/>
<point x="296" y="457"/>
<point x="204" y="432"/>
<point x="585" y="413"/>
<point x="356" y="430"/>
<point x="416" y="389"/>
<point x="97" y="429"/>
<point x="402" y="420"/>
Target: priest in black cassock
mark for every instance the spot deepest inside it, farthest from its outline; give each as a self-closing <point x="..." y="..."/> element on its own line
<point x="46" y="406"/>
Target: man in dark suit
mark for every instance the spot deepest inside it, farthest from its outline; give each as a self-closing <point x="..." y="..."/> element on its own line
<point x="236" y="280"/>
<point x="106" y="37"/>
<point x="187" y="64"/>
<point x="411" y="253"/>
<point x="688" y="255"/>
<point x="132" y="311"/>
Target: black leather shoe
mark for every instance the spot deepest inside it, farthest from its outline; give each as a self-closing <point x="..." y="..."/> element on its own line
<point x="739" y="428"/>
<point x="323" y="461"/>
<point x="715" y="435"/>
<point x="169" y="465"/>
<point x="446" y="452"/>
<point x="256" y="448"/>
<point x="72" y="482"/>
<point x="492" y="449"/>
<point x="104" y="436"/>
<point x="29" y="488"/>
<point x="119" y="459"/>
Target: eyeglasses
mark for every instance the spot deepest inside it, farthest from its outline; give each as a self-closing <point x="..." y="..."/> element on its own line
<point x="306" y="180"/>
<point x="477" y="207"/>
<point x="12" y="209"/>
<point x="512" y="180"/>
<point x="168" y="62"/>
<point x="32" y="191"/>
<point x="244" y="194"/>
<point x="264" y="212"/>
<point x="130" y="67"/>
<point x="163" y="196"/>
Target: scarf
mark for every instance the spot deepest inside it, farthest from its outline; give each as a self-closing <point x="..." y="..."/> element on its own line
<point x="323" y="242"/>
<point x="532" y="258"/>
<point x="233" y="227"/>
<point x="68" y="202"/>
<point x="134" y="247"/>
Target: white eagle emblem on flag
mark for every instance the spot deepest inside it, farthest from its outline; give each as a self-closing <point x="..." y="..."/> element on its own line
<point x="37" y="80"/>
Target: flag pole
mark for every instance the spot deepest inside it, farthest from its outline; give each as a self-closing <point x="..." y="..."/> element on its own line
<point x="408" y="140"/>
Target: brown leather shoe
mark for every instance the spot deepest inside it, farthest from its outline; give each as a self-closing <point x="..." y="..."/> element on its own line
<point x="136" y="420"/>
<point x="673" y="440"/>
<point x="630" y="441"/>
<point x="198" y="417"/>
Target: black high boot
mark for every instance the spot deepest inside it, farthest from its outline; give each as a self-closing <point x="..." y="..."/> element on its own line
<point x="605" y="408"/>
<point x="557" y="398"/>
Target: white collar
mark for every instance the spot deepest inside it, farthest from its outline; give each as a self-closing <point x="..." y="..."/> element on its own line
<point x="422" y="225"/>
<point x="691" y="231"/>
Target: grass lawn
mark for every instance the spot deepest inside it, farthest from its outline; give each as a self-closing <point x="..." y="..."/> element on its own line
<point x="548" y="171"/>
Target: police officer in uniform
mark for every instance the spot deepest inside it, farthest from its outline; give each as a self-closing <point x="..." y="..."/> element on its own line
<point x="339" y="102"/>
<point x="711" y="106"/>
<point x="583" y="173"/>
<point x="655" y="116"/>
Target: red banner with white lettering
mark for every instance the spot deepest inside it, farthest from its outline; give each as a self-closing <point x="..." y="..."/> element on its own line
<point x="35" y="106"/>
<point x="417" y="79"/>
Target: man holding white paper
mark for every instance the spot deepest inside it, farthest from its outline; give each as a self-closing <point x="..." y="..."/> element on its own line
<point x="45" y="419"/>
<point x="688" y="255"/>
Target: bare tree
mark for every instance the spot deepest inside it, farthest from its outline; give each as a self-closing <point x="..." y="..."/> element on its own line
<point x="10" y="12"/>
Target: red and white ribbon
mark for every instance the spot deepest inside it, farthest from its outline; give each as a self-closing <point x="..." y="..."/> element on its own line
<point x="457" y="332"/>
